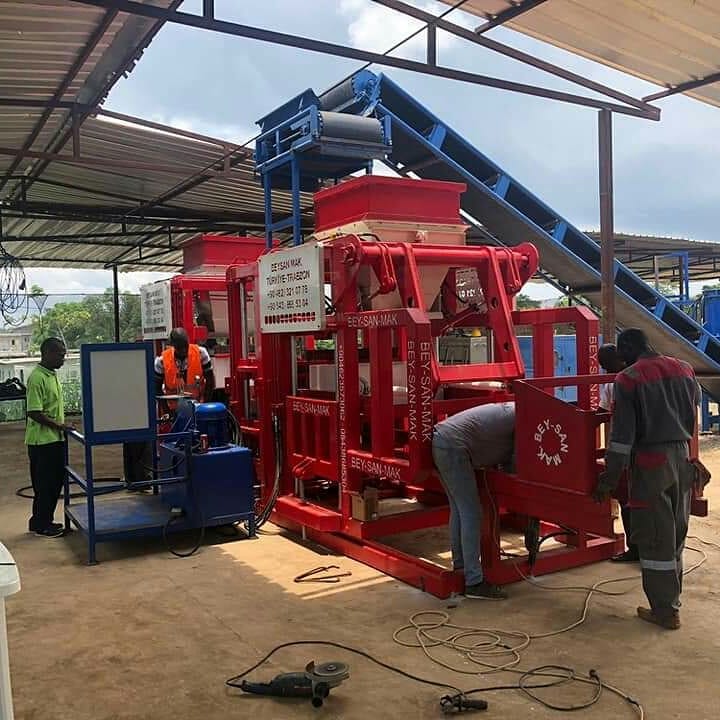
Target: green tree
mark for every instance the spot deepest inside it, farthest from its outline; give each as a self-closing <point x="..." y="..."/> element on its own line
<point x="524" y="302"/>
<point x="90" y="320"/>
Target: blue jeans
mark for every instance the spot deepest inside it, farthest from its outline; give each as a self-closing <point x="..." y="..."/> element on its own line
<point x="457" y="475"/>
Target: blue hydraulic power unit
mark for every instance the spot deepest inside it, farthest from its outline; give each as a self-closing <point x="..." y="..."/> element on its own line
<point x="220" y="475"/>
<point x="198" y="477"/>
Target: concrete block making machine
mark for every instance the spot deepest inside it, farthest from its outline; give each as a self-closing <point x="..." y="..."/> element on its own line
<point x="338" y="394"/>
<point x="337" y="378"/>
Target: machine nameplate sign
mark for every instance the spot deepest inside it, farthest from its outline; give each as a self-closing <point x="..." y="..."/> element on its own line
<point x="156" y="310"/>
<point x="552" y="442"/>
<point x="292" y="296"/>
<point x="374" y="467"/>
<point x="467" y="286"/>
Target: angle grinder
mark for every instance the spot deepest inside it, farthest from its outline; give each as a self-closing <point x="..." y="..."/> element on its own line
<point x="314" y="683"/>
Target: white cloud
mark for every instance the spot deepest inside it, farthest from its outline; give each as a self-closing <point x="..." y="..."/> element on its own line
<point x="70" y="282"/>
<point x="238" y="134"/>
<point x="377" y="28"/>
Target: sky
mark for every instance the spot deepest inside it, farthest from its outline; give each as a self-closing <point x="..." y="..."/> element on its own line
<point x="666" y="173"/>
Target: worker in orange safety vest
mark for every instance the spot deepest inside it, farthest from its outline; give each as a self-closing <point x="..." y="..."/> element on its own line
<point x="184" y="369"/>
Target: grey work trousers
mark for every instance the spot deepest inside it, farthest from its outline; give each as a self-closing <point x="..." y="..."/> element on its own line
<point x="660" y="496"/>
<point x="458" y="477"/>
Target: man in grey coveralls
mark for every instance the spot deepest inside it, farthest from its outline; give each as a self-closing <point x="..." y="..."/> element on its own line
<point x="656" y="400"/>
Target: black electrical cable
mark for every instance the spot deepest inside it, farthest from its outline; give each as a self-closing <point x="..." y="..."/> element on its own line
<point x="194" y="548"/>
<point x="570" y="676"/>
<point x="14" y="295"/>
<point x="562" y="676"/>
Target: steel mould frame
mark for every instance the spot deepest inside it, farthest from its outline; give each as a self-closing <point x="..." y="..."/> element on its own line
<point x="336" y="444"/>
<point x="183" y="289"/>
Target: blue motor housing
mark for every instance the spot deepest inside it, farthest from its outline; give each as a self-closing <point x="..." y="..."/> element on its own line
<point x="211" y="420"/>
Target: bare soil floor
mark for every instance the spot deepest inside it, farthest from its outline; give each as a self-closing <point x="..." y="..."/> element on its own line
<point x="147" y="635"/>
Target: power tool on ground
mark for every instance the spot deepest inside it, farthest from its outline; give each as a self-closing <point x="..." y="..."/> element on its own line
<point x="314" y="683"/>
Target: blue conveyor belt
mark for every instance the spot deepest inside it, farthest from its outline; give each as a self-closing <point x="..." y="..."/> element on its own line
<point x="427" y="147"/>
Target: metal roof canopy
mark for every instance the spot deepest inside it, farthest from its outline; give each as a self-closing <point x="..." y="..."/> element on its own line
<point x="611" y="100"/>
<point x="669" y="43"/>
<point x="85" y="187"/>
<point x="117" y="204"/>
<point x="99" y="190"/>
<point x="656" y="257"/>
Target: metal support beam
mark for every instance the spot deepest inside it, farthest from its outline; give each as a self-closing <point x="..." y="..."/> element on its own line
<point x="607" y="233"/>
<point x="21" y="102"/>
<point x="507" y="51"/>
<point x="41" y="261"/>
<point x="684" y="87"/>
<point x="101" y="112"/>
<point x="209" y="8"/>
<point x="97" y="35"/>
<point x="97" y="239"/>
<point x="327" y="48"/>
<point x="94" y="162"/>
<point x="121" y="259"/>
<point x="656" y="272"/>
<point x="76" y="133"/>
<point x="432" y="44"/>
<point x="520" y="8"/>
<point x="157" y="215"/>
<point x="116" y="304"/>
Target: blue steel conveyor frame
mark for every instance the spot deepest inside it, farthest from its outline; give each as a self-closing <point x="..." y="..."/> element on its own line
<point x="425" y="146"/>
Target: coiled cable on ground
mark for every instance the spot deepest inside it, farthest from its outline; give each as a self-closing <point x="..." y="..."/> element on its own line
<point x="495" y="650"/>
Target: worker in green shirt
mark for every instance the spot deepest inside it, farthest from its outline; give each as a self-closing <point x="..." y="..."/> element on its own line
<point x="44" y="438"/>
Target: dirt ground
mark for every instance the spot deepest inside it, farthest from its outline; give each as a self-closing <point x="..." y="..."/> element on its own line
<point x="147" y="635"/>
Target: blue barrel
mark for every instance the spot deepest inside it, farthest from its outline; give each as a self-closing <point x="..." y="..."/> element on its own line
<point x="211" y="420"/>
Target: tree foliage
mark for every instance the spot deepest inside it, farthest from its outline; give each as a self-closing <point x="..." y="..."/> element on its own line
<point x="91" y="320"/>
<point x="524" y="302"/>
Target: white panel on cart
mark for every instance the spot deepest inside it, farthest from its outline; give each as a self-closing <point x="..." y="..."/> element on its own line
<point x="119" y="390"/>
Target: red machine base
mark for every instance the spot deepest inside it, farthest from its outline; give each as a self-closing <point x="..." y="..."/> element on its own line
<point x="440" y="581"/>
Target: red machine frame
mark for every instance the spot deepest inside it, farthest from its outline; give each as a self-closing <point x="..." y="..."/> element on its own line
<point x="184" y="291"/>
<point x="336" y="444"/>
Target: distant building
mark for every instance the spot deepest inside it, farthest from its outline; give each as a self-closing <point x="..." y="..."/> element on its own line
<point x="15" y="342"/>
<point x="21" y="368"/>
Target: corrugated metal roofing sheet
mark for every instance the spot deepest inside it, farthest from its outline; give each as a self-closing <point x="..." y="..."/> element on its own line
<point x="666" y="42"/>
<point x="55" y="50"/>
<point x="232" y="197"/>
<point x="638" y="253"/>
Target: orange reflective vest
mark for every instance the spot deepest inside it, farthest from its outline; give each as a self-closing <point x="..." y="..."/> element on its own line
<point x="194" y="382"/>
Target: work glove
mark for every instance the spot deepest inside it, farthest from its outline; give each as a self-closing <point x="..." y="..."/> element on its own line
<point x="702" y="477"/>
<point x="603" y="489"/>
<point x="608" y="480"/>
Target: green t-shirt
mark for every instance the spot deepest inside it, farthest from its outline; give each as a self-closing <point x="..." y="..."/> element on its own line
<point x="44" y="394"/>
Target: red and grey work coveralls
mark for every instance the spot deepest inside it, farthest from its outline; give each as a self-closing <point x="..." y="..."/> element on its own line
<point x="655" y="413"/>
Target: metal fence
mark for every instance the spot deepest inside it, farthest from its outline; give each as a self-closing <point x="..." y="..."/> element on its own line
<point x="74" y="318"/>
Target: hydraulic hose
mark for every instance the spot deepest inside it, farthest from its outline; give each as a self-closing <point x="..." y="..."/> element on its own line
<point x="264" y="515"/>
